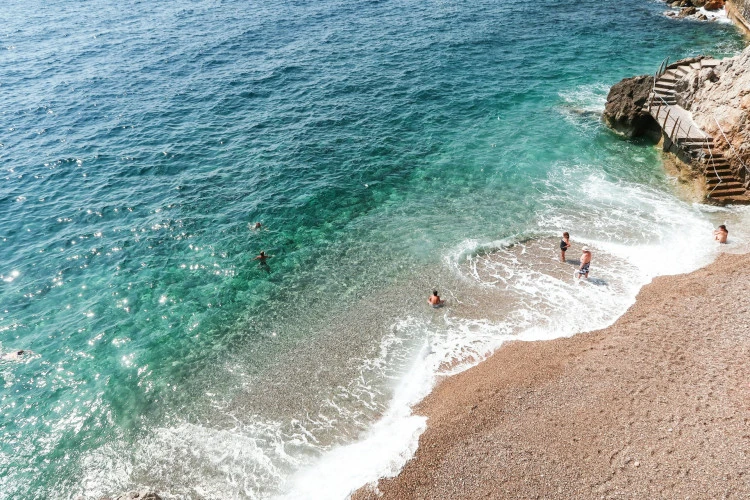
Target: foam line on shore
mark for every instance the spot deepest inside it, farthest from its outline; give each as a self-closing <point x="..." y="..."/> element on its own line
<point x="678" y="242"/>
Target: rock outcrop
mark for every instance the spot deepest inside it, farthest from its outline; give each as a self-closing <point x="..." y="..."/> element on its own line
<point x="719" y="100"/>
<point x="739" y="12"/>
<point x="626" y="111"/>
<point x="690" y="8"/>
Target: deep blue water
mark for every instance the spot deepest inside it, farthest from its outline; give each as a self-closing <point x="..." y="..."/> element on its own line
<point x="140" y="141"/>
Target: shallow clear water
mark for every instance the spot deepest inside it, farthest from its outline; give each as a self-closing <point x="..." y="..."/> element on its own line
<point x="388" y="147"/>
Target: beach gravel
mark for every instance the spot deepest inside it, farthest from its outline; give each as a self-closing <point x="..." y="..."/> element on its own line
<point x="655" y="406"/>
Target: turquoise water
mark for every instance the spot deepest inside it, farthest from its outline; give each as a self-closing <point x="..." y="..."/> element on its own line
<point x="388" y="147"/>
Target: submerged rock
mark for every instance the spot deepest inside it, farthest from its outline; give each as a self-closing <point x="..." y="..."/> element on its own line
<point x="626" y="110"/>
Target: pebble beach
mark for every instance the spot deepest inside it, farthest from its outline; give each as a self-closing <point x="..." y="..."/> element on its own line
<point x="655" y="406"/>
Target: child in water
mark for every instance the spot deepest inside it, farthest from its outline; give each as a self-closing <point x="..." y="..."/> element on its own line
<point x="564" y="245"/>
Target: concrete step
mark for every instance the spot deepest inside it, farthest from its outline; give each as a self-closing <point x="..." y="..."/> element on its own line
<point x="724" y="173"/>
<point x="693" y="141"/>
<point x="695" y="65"/>
<point x="724" y="184"/>
<point x="691" y="146"/>
<point x="709" y="63"/>
<point x="734" y="200"/>
<point x="690" y="141"/>
<point x="720" y="191"/>
<point x="664" y="90"/>
<point x="663" y="100"/>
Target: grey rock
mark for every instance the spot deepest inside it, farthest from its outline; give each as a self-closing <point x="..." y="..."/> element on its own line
<point x="626" y="109"/>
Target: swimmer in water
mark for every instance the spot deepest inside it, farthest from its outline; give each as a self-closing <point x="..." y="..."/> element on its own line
<point x="262" y="257"/>
<point x="434" y="300"/>
<point x="12" y="356"/>
<point x="257" y="225"/>
<point x="721" y="234"/>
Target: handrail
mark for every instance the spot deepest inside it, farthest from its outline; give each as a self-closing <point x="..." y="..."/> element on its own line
<point x="731" y="146"/>
<point x="659" y="72"/>
<point x="677" y="127"/>
<point x="713" y="164"/>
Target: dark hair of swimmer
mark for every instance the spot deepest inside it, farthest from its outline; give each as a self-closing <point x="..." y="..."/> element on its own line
<point x="19" y="352"/>
<point x="566" y="234"/>
<point x="724" y="228"/>
<point x="435" y="293"/>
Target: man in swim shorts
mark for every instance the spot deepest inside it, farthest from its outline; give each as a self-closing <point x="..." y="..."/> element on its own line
<point x="585" y="263"/>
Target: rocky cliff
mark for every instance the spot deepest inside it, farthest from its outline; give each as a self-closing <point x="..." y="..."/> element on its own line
<point x="739" y="11"/>
<point x="719" y="100"/>
<point x="625" y="111"/>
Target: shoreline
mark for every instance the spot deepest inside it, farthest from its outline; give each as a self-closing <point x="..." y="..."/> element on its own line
<point x="652" y="405"/>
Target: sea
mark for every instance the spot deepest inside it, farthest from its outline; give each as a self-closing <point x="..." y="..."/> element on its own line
<point x="388" y="148"/>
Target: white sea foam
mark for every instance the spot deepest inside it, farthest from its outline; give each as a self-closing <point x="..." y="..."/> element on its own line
<point x="381" y="452"/>
<point x="716" y="15"/>
<point x="636" y="234"/>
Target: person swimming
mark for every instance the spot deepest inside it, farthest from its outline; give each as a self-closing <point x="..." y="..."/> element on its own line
<point x="721" y="234"/>
<point x="435" y="300"/>
<point x="12" y="356"/>
<point x="262" y="257"/>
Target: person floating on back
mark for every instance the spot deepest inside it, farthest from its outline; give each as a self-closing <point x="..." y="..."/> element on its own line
<point x="434" y="300"/>
<point x="585" y="263"/>
<point x="564" y="245"/>
<point x="721" y="234"/>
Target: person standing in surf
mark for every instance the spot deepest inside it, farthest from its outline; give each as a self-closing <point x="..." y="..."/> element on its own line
<point x="585" y="263"/>
<point x="564" y="245"/>
<point x="435" y="300"/>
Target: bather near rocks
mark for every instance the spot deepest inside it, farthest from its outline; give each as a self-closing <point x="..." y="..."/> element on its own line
<point x="626" y="109"/>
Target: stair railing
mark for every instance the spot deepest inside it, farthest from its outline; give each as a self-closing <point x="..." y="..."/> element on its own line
<point x="659" y="72"/>
<point x="707" y="146"/>
<point x="678" y="130"/>
<point x="731" y="147"/>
